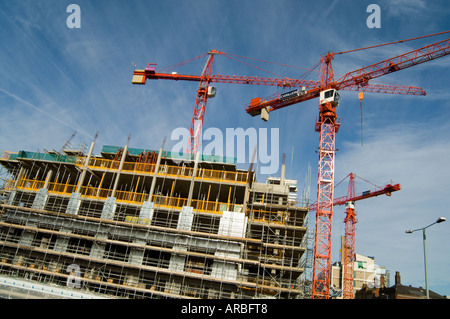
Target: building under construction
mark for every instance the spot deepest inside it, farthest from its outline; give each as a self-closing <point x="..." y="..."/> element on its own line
<point x="136" y="223"/>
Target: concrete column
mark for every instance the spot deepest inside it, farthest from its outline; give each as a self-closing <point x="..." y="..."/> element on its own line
<point x="233" y="224"/>
<point x="109" y="208"/>
<point x="83" y="173"/>
<point x="177" y="262"/>
<point x="19" y="176"/>
<point x="74" y="204"/>
<point x="26" y="239"/>
<point x="136" y="256"/>
<point x="98" y="248"/>
<point x="191" y="188"/>
<point x="11" y="197"/>
<point x="41" y="199"/>
<point x="122" y="160"/>
<point x="186" y="218"/>
<point x="48" y="178"/>
<point x="282" y="179"/>
<point x="133" y="281"/>
<point x="146" y="213"/>
<point x="185" y="221"/>
<point x="246" y="196"/>
<point x="75" y="198"/>
<point x="27" y="236"/>
<point x="62" y="242"/>
<point x="155" y="173"/>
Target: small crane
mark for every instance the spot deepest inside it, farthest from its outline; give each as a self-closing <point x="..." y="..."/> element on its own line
<point x="350" y="225"/>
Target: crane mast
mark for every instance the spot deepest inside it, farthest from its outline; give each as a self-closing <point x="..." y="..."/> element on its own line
<point x="203" y="93"/>
<point x="327" y="125"/>
<point x="349" y="251"/>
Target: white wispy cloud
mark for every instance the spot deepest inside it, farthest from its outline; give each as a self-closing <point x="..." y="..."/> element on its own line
<point x="407" y="8"/>
<point x="416" y="157"/>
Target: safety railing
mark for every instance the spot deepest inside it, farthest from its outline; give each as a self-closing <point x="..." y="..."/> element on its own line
<point x="131" y="197"/>
<point x="222" y="175"/>
<point x="46" y="157"/>
<point x="278" y="217"/>
<point x="61" y="188"/>
<point x="95" y="192"/>
<point x="9" y="184"/>
<point x="30" y="184"/>
<point x="125" y="196"/>
<point x="165" y="170"/>
<point x="8" y="155"/>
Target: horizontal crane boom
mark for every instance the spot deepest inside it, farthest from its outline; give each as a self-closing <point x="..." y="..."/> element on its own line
<point x="140" y="77"/>
<point x="388" y="189"/>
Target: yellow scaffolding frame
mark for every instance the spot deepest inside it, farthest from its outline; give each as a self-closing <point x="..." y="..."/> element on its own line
<point x="164" y="170"/>
<point x="124" y="196"/>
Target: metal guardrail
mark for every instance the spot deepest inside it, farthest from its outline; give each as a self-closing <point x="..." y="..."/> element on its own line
<point x="167" y="170"/>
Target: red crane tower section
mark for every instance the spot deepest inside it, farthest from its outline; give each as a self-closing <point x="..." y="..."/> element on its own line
<point x="327" y="125"/>
<point x="350" y="230"/>
<point x="350" y="227"/>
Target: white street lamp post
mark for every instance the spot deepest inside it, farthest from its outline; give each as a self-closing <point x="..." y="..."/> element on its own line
<point x="440" y="220"/>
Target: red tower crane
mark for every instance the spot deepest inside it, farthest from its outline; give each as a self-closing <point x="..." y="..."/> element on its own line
<point x="205" y="91"/>
<point x="350" y="226"/>
<point x="327" y="125"/>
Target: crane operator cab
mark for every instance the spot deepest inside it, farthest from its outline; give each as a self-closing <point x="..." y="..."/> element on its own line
<point x="350" y="205"/>
<point x="212" y="91"/>
<point x="331" y="96"/>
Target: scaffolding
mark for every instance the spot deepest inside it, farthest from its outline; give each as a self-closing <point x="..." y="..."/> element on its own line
<point x="134" y="223"/>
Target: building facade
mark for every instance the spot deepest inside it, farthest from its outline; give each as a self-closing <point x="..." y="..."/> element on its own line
<point x="135" y="223"/>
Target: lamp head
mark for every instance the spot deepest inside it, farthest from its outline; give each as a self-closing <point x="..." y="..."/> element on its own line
<point x="409" y="231"/>
<point x="441" y="219"/>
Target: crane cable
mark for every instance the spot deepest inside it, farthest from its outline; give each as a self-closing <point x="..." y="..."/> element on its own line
<point x="257" y="67"/>
<point x="169" y="68"/>
<point x="304" y="75"/>
<point x="400" y="41"/>
<point x="361" y="94"/>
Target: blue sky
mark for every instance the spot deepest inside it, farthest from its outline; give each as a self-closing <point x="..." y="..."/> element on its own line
<point x="55" y="80"/>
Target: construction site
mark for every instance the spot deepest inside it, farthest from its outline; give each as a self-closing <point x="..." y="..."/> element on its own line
<point x="132" y="223"/>
<point x="141" y="223"/>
